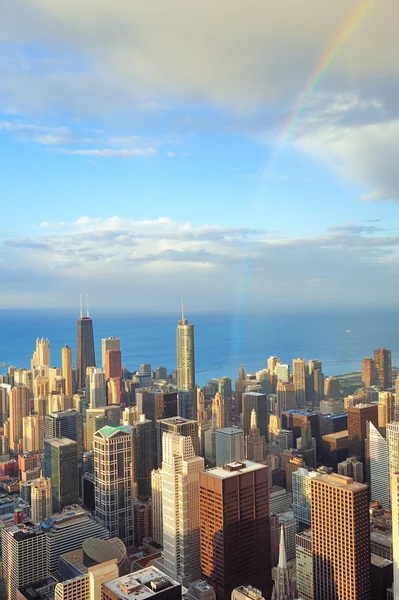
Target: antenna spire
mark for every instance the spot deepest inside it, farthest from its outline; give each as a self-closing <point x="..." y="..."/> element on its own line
<point x="87" y="306"/>
<point x="81" y="306"/>
<point x="182" y="308"/>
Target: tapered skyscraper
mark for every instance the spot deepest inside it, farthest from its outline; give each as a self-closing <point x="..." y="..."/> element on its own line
<point x="85" y="355"/>
<point x="185" y="367"/>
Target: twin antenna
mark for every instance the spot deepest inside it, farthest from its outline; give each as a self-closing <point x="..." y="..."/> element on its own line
<point x="87" y="306"/>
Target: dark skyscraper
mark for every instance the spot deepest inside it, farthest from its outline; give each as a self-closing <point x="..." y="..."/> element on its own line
<point x="85" y="355"/>
<point x="61" y="465"/>
<point x="383" y="367"/>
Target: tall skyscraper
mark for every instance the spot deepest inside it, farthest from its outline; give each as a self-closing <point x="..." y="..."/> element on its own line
<point x="114" y="472"/>
<point x="299" y="377"/>
<point x="19" y="408"/>
<point x="235" y="527"/>
<point x="98" y="397"/>
<point x="395" y="532"/>
<point x="113" y="364"/>
<point x="369" y="373"/>
<point x="272" y="363"/>
<point x="96" y="418"/>
<point x="61" y="466"/>
<point x="33" y="433"/>
<point x="41" y="355"/>
<point x="257" y="401"/>
<point x="110" y="343"/>
<point x="185" y="367"/>
<point x="229" y="445"/>
<point x="379" y="467"/>
<point x="24" y="557"/>
<point x="218" y="410"/>
<point x="41" y="500"/>
<point x="144" y="455"/>
<point x="66" y="356"/>
<point x="186" y="427"/>
<point x="254" y="442"/>
<point x="156" y="506"/>
<point x="340" y="538"/>
<point x="180" y="508"/>
<point x="85" y="354"/>
<point x="383" y="366"/>
<point x="358" y="416"/>
<point x="65" y="424"/>
<point x="284" y="588"/>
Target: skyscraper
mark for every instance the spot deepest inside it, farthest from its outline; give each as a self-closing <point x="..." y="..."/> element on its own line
<point x="114" y="472"/>
<point x="144" y="455"/>
<point x="61" y="466"/>
<point x="393" y="447"/>
<point x="340" y="538"/>
<point x="185" y="367"/>
<point x="299" y="378"/>
<point x="41" y="355"/>
<point x="229" y="445"/>
<point x="396" y="406"/>
<point x="66" y="355"/>
<point x="19" y="408"/>
<point x="254" y="442"/>
<point x="41" y="500"/>
<point x="33" y="433"/>
<point x="85" y="354"/>
<point x="110" y="343"/>
<point x="181" y="508"/>
<point x="357" y="428"/>
<point x="218" y="410"/>
<point x="65" y="424"/>
<point x="235" y="527"/>
<point x="395" y="532"/>
<point x="379" y="467"/>
<point x="257" y="401"/>
<point x="113" y="364"/>
<point x="385" y="411"/>
<point x="97" y="396"/>
<point x="186" y="427"/>
<point x="383" y="367"/>
<point x="284" y="588"/>
<point x="369" y="374"/>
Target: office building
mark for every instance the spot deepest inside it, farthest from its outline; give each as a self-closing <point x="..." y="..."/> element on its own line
<point x="286" y="396"/>
<point x="180" y="426"/>
<point x="385" y="411"/>
<point x="185" y="368"/>
<point x="229" y="444"/>
<point x="23" y="555"/>
<point x="246" y="592"/>
<point x="66" y="356"/>
<point x="358" y="416"/>
<point x="395" y="531"/>
<point x="304" y="565"/>
<point x="332" y="388"/>
<point x="299" y="380"/>
<point x="180" y="508"/>
<point x="141" y="585"/>
<point x="156" y="506"/>
<point x="142" y="519"/>
<point x="287" y="522"/>
<point x="115" y="488"/>
<point x="218" y="411"/>
<point x="65" y="424"/>
<point x="67" y="531"/>
<point x="301" y="494"/>
<point x="379" y="467"/>
<point x="41" y="355"/>
<point x="85" y="354"/>
<point x="369" y="373"/>
<point x="284" y="588"/>
<point x="393" y="447"/>
<point x="110" y="343"/>
<point x="113" y="364"/>
<point x="41" y="499"/>
<point x="33" y="433"/>
<point x="19" y="408"/>
<point x="383" y="367"/>
<point x="98" y="396"/>
<point x="61" y="466"/>
<point x="226" y="391"/>
<point x="235" y="527"/>
<point x="96" y="418"/>
<point x="335" y="448"/>
<point x="351" y="467"/>
<point x="144" y="455"/>
<point x="254" y="448"/>
<point x="340" y="529"/>
<point x="258" y="402"/>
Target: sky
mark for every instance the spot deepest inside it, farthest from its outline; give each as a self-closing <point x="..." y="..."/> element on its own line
<point x="242" y="154"/>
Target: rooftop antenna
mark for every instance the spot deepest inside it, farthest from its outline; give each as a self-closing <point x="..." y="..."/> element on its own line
<point x="87" y="305"/>
<point x="182" y="308"/>
<point x="81" y="306"/>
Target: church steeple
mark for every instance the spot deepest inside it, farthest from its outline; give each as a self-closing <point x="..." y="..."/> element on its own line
<point x="284" y="585"/>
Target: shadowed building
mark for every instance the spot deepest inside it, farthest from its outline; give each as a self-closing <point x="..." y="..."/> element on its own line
<point x="358" y="416"/>
<point x="85" y="355"/>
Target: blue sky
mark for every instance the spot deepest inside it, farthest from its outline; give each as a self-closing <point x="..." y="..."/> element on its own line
<point x="135" y="144"/>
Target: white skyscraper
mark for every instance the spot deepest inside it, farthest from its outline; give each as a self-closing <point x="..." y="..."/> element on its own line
<point x="379" y="467"/>
<point x="97" y="388"/>
<point x="41" y="356"/>
<point x="111" y="343"/>
<point x="181" y="510"/>
<point x="229" y="445"/>
<point x="395" y="532"/>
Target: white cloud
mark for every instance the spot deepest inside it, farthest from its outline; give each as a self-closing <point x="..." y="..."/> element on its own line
<point x="107" y="152"/>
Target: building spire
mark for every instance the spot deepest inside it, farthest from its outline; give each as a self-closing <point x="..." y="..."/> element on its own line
<point x="282" y="559"/>
<point x="254" y="421"/>
<point x="87" y="306"/>
<point x="81" y="306"/>
<point x="284" y="585"/>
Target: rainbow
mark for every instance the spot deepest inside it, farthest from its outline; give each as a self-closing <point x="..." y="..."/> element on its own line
<point x="351" y="24"/>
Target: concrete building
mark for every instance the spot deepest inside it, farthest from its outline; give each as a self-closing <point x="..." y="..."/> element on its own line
<point x="110" y="343"/>
<point x="61" y="466"/>
<point x="96" y="418"/>
<point x="113" y="364"/>
<point x="369" y="373"/>
<point x="66" y="359"/>
<point x="33" y="433"/>
<point x="200" y="590"/>
<point x="65" y="424"/>
<point x="340" y="528"/>
<point x="156" y="506"/>
<point x="115" y="486"/>
<point x="41" y="500"/>
<point x="286" y="395"/>
<point x="179" y="426"/>
<point x="229" y="445"/>
<point x="358" y="416"/>
<point x="288" y="524"/>
<point x="280" y="500"/>
<point x="258" y="402"/>
<point x="180" y="508"/>
<point x="335" y="448"/>
<point x="19" y="408"/>
<point x="235" y="528"/>
<point x="23" y="552"/>
<point x="385" y="411"/>
<point x="246" y="592"/>
<point x="379" y="467"/>
<point x="141" y="585"/>
<point x="304" y="565"/>
<point x="383" y="367"/>
<point x="393" y="447"/>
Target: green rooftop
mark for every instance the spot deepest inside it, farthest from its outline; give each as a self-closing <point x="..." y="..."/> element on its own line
<point x="107" y="431"/>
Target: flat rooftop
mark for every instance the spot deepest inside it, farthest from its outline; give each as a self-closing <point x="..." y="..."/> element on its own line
<point x="235" y="469"/>
<point x="230" y="430"/>
<point x="336" y="436"/>
<point x="61" y="442"/>
<point x="340" y="481"/>
<point x="141" y="584"/>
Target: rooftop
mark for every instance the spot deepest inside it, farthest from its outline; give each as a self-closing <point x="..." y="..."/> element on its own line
<point x="60" y="442"/>
<point x="337" y="435"/>
<point x="23" y="531"/>
<point x="108" y="431"/>
<point x="379" y="561"/>
<point x="234" y="469"/>
<point x="141" y="584"/>
<point x="230" y="430"/>
<point x="176" y="420"/>
<point x="340" y="481"/>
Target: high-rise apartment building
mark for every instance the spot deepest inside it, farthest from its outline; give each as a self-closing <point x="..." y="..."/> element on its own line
<point x="41" y="355"/>
<point x="358" y="416"/>
<point x="23" y="555"/>
<point x="144" y="455"/>
<point x="180" y="426"/>
<point x="85" y="354"/>
<point x="19" y="408"/>
<point x="114" y="472"/>
<point x="41" y="500"/>
<point x="65" y="424"/>
<point x="395" y="532"/>
<point x="383" y="367"/>
<point x="181" y="508"/>
<point x="235" y="527"/>
<point x="229" y="445"/>
<point x="340" y="538"/>
<point x="113" y="364"/>
<point x="33" y="433"/>
<point x="379" y="467"/>
<point x="110" y="343"/>
<point x="5" y="391"/>
<point x="226" y="391"/>
<point x="369" y="373"/>
<point x="66" y="356"/>
<point x="299" y="378"/>
<point x="61" y="466"/>
<point x="185" y="368"/>
<point x="254" y="443"/>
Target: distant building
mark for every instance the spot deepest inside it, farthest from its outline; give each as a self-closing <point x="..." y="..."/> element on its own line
<point x="85" y="354"/>
<point x="185" y="368"/>
<point x="369" y="373"/>
<point x="229" y="445"/>
<point x="383" y="367"/>
<point x="358" y="416"/>
<point x="299" y="381"/>
<point x="254" y="442"/>
<point x="395" y="532"/>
